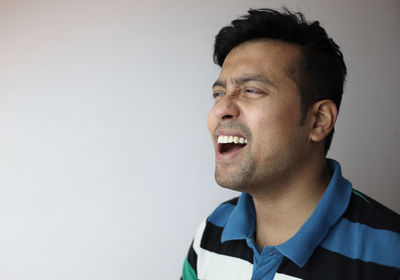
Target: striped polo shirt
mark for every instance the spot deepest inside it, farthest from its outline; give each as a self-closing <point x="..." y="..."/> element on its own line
<point x="348" y="236"/>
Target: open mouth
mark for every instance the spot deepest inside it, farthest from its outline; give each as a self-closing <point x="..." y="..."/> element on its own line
<point x="228" y="144"/>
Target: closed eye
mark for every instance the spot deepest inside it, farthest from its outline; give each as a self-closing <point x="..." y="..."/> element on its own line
<point x="217" y="94"/>
<point x="254" y="91"/>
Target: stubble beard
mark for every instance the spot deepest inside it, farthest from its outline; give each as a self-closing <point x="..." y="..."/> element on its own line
<point x="276" y="169"/>
<point x="267" y="175"/>
<point x="236" y="178"/>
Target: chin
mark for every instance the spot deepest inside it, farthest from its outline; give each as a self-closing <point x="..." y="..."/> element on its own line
<point x="229" y="182"/>
<point x="236" y="177"/>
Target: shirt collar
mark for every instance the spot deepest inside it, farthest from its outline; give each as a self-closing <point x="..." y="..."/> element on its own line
<point x="299" y="248"/>
<point x="241" y="223"/>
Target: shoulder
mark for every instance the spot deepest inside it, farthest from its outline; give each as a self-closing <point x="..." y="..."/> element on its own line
<point x="216" y="259"/>
<point x="214" y="224"/>
<point x="363" y="244"/>
<point x="219" y="217"/>
<point x="367" y="211"/>
<point x="367" y="235"/>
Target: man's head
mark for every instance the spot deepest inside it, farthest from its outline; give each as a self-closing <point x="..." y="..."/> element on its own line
<point x="281" y="78"/>
<point x="319" y="74"/>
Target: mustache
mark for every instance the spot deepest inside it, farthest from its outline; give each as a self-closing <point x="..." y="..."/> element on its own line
<point x="235" y="125"/>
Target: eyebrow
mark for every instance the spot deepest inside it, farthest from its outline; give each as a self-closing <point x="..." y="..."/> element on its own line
<point x="248" y="78"/>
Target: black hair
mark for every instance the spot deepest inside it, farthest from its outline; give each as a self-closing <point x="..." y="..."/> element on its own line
<point x="320" y="72"/>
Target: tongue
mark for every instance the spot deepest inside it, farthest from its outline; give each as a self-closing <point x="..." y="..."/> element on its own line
<point x="230" y="147"/>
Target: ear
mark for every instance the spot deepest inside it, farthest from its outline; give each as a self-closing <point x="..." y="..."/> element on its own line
<point x="323" y="117"/>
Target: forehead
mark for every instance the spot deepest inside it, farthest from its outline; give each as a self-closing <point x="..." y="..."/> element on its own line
<point x="271" y="58"/>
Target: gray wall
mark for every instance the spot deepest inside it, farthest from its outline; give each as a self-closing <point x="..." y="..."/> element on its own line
<point x="106" y="167"/>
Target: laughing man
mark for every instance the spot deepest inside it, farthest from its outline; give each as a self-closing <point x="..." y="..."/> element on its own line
<point x="276" y="102"/>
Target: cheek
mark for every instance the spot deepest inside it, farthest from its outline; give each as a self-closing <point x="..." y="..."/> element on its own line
<point x="272" y="128"/>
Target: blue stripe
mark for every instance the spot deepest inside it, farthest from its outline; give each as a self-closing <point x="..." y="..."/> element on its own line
<point x="221" y="215"/>
<point x="358" y="241"/>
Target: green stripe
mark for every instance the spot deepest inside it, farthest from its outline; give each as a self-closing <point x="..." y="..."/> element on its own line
<point x="360" y="195"/>
<point x="188" y="271"/>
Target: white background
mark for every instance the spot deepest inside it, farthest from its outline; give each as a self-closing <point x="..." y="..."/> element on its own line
<point x="106" y="166"/>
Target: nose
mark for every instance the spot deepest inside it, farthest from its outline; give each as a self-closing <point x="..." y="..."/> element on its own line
<point x="226" y="108"/>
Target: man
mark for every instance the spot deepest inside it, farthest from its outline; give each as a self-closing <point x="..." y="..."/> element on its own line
<point x="276" y="102"/>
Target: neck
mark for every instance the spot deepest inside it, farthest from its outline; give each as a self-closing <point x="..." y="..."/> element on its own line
<point x="281" y="213"/>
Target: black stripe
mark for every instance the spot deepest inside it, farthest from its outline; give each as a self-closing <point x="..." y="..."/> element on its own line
<point x="328" y="265"/>
<point x="232" y="201"/>
<point x="192" y="258"/>
<point x="372" y="214"/>
<point x="211" y="241"/>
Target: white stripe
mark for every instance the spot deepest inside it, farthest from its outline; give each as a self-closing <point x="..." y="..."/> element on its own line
<point x="197" y="237"/>
<point x="212" y="266"/>
<point x="279" y="276"/>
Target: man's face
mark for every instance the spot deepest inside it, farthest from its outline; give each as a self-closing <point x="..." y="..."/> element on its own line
<point x="257" y="107"/>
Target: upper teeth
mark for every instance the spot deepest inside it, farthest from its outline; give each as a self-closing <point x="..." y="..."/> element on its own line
<point x="223" y="139"/>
